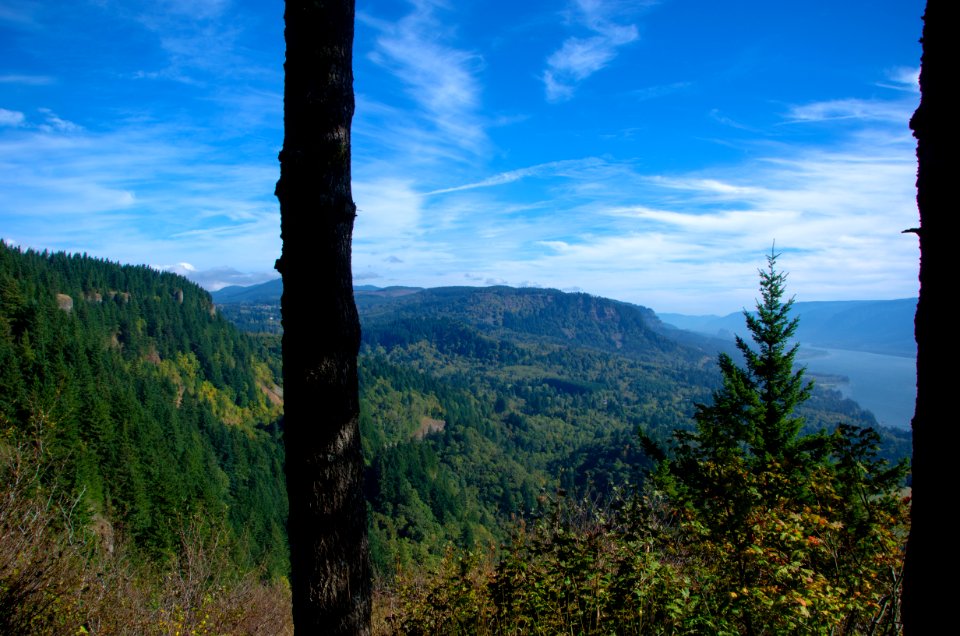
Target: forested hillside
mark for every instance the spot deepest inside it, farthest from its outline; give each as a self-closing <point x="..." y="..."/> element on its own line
<point x="151" y="426"/>
<point x="131" y="398"/>
<point x="751" y="523"/>
<point x="477" y="403"/>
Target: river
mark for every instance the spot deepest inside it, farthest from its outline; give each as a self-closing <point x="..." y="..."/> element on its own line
<point x="884" y="384"/>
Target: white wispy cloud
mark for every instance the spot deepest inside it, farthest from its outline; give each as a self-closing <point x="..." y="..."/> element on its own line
<point x="837" y="214"/>
<point x="854" y="109"/>
<point x="713" y="187"/>
<point x="881" y="110"/>
<point x="440" y="78"/>
<point x="217" y="277"/>
<point x="445" y="195"/>
<point x="26" y="79"/>
<point x="903" y="78"/>
<point x="580" y="57"/>
<point x="184" y="175"/>
<point x="53" y="122"/>
<point x="661" y="90"/>
<point x="684" y="241"/>
<point x="196" y="44"/>
<point x="193" y="35"/>
<point x="716" y="115"/>
<point x="389" y="211"/>
<point x="550" y="168"/>
<point x="138" y="191"/>
<point x="11" y="117"/>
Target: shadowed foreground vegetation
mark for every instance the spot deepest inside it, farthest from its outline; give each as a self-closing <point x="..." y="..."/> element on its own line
<point x="637" y="567"/>
<point x="58" y="576"/>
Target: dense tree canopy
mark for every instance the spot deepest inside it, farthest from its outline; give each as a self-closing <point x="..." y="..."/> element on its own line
<point x="136" y="425"/>
<point x="155" y="405"/>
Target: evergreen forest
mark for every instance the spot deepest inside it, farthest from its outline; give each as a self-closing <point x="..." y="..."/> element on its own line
<point x="140" y="458"/>
<point x="536" y="462"/>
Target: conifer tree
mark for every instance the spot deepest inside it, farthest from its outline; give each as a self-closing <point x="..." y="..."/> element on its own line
<point x="746" y="467"/>
<point x="770" y="371"/>
<point x="788" y="524"/>
<point x="751" y="430"/>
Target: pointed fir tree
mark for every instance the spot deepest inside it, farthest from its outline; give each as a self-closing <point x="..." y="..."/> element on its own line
<point x="788" y="524"/>
<point x="765" y="393"/>
<point x="746" y="456"/>
<point x="751" y="428"/>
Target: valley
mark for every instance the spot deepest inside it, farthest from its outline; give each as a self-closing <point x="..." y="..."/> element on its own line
<point x="156" y="413"/>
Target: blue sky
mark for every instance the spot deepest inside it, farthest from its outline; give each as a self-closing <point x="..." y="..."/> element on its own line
<point x="644" y="151"/>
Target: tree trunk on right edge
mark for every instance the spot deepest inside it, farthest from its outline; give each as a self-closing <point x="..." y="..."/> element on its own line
<point x="930" y="570"/>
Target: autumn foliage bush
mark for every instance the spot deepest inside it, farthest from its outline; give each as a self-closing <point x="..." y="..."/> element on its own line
<point x="645" y="567"/>
<point x="58" y="577"/>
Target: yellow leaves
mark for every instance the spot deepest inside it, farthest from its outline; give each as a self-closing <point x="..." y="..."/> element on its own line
<point x="223" y="407"/>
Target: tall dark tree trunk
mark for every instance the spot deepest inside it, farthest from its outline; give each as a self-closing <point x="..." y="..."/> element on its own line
<point x="931" y="561"/>
<point x="327" y="525"/>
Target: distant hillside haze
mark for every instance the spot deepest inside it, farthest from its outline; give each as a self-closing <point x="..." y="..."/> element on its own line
<point x="546" y="315"/>
<point x="268" y="292"/>
<point x="875" y="326"/>
<point x="864" y="348"/>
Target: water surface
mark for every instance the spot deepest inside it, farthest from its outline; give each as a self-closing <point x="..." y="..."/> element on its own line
<point x="884" y="384"/>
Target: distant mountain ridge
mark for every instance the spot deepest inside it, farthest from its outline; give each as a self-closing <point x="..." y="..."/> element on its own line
<point x="864" y="349"/>
<point x="530" y="313"/>
<point x="268" y="292"/>
<point x="502" y="312"/>
<point x="875" y="326"/>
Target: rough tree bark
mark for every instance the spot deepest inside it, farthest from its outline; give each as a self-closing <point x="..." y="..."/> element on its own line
<point x="931" y="561"/>
<point x="330" y="575"/>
